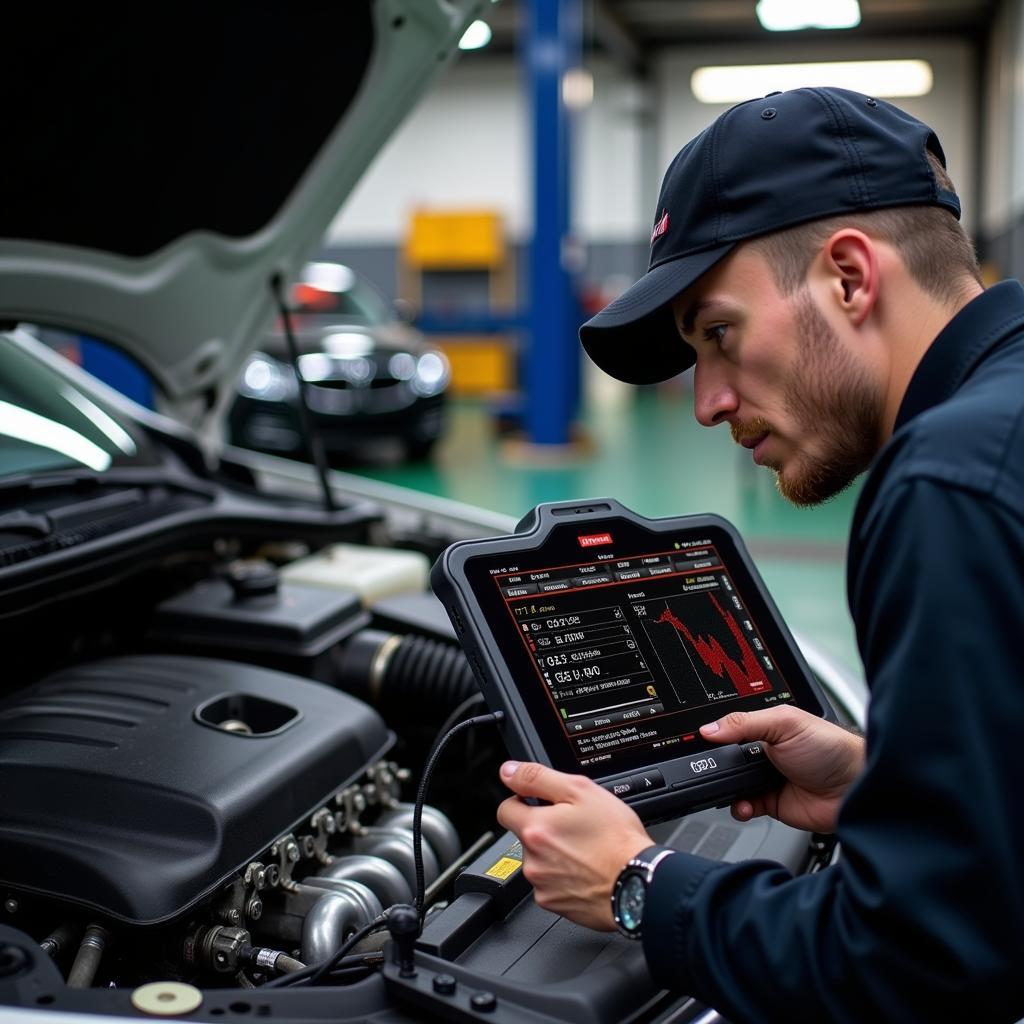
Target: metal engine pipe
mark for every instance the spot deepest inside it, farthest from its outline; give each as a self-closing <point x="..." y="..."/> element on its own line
<point x="395" y="845"/>
<point x="380" y="876"/>
<point x="334" y="917"/>
<point x="437" y="829"/>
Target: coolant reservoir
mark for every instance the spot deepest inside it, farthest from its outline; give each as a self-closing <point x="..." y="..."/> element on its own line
<point x="372" y="573"/>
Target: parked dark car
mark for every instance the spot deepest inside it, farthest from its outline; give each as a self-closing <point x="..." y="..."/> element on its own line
<point x="374" y="382"/>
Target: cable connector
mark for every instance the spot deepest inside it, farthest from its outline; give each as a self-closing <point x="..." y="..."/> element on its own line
<point x="404" y="926"/>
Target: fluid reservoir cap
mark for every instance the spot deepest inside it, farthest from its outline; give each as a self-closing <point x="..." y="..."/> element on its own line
<point x="252" y="577"/>
<point x="166" y="998"/>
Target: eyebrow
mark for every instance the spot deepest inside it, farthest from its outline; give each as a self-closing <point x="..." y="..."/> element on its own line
<point x="694" y="310"/>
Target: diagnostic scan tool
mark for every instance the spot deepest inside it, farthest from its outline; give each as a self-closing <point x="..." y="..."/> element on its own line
<point x="608" y="639"/>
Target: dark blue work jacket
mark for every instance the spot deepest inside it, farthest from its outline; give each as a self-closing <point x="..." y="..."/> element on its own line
<point x="922" y="919"/>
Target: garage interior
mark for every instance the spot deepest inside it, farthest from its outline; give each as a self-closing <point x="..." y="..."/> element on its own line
<point x="474" y="140"/>
<point x="237" y="450"/>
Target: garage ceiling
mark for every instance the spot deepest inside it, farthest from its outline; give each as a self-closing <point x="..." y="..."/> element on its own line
<point x="632" y="30"/>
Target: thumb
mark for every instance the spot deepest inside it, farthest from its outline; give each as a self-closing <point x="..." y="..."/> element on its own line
<point x="770" y="725"/>
<point x="530" y="779"/>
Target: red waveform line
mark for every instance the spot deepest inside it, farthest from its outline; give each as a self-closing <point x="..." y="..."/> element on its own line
<point x="747" y="677"/>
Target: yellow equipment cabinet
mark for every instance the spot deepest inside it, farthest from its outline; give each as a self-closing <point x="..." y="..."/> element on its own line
<point x="456" y="263"/>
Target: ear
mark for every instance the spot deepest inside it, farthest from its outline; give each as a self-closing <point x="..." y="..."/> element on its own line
<point x="850" y="263"/>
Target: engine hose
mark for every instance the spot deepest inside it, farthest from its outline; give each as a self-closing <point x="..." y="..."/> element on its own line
<point x="418" y="675"/>
<point x="90" y="953"/>
<point x="268" y="960"/>
<point x="58" y="940"/>
<point x="288" y="964"/>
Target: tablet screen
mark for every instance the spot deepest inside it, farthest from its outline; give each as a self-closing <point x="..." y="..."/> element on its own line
<point x="624" y="643"/>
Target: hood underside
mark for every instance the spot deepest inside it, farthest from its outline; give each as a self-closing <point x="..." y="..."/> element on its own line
<point x="162" y="169"/>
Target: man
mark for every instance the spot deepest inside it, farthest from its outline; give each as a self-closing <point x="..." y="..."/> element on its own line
<point x="807" y="257"/>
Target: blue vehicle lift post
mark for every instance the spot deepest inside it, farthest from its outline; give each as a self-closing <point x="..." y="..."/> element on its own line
<point x="552" y="44"/>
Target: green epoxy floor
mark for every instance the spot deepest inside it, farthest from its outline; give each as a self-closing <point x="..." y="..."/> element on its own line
<point x="649" y="452"/>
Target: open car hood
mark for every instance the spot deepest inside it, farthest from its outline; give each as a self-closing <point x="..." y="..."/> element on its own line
<point x="160" y="171"/>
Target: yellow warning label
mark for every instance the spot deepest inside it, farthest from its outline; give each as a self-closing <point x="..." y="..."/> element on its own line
<point x="504" y="868"/>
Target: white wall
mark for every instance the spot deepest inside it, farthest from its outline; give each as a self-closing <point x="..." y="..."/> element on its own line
<point x="468" y="142"/>
<point x="609" y="200"/>
<point x="1003" y="183"/>
<point x="465" y="145"/>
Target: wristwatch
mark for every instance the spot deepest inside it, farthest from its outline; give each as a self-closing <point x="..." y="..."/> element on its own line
<point x="630" y="893"/>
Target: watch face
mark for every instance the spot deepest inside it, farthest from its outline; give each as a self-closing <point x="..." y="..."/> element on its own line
<point x="631" y="902"/>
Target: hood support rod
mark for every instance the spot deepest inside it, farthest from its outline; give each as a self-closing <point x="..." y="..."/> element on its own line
<point x="314" y="442"/>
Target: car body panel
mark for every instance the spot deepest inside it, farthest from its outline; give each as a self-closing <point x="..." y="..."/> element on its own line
<point x="192" y="309"/>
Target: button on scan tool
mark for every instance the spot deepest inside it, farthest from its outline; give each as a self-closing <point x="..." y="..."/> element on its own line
<point x="645" y="781"/>
<point x="621" y="787"/>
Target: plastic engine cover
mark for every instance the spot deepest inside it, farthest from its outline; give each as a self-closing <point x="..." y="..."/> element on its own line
<point x="127" y="789"/>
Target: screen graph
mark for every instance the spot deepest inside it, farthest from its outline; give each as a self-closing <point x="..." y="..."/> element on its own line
<point x="710" y="651"/>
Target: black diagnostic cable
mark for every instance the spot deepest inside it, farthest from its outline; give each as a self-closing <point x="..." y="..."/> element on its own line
<point x="314" y="441"/>
<point x="470" y="702"/>
<point x="316" y="971"/>
<point x="421" y="794"/>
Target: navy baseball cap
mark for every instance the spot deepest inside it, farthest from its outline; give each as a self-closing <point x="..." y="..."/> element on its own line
<point x="763" y="165"/>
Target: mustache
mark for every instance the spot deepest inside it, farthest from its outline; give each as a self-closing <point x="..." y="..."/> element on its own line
<point x="750" y="430"/>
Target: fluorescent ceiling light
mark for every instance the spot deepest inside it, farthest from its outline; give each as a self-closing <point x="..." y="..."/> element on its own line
<point x="789" y="15"/>
<point x="478" y="34"/>
<point x="577" y="88"/>
<point x="734" y="84"/>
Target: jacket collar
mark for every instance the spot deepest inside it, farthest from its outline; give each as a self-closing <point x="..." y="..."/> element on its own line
<point x="979" y="327"/>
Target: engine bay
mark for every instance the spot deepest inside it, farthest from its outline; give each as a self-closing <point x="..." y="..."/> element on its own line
<point x="213" y="723"/>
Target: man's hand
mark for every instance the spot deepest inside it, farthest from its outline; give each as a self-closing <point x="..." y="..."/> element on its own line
<point x="575" y="848"/>
<point x="820" y="761"/>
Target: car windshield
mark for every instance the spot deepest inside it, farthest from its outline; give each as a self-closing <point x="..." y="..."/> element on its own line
<point x="49" y="424"/>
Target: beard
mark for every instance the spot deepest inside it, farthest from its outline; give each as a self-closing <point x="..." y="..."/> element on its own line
<point x="832" y="398"/>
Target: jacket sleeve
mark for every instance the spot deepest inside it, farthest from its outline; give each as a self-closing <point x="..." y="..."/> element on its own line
<point x="922" y="918"/>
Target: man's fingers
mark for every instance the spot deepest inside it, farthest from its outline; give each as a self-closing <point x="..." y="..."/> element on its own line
<point x="772" y="725"/>
<point x="754" y="807"/>
<point x="742" y="810"/>
<point x="512" y="814"/>
<point x="529" y="779"/>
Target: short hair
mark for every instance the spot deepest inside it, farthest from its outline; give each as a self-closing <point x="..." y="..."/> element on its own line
<point x="931" y="241"/>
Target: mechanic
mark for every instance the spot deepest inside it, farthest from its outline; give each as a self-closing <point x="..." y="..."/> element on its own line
<point x="807" y="256"/>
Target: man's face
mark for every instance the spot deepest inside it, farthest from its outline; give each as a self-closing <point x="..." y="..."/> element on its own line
<point x="772" y="367"/>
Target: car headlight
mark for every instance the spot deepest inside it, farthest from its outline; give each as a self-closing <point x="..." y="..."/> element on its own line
<point x="266" y="379"/>
<point x="432" y="374"/>
<point x="402" y="366"/>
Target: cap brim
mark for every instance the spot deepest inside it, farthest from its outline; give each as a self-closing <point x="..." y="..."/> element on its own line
<point x="634" y="338"/>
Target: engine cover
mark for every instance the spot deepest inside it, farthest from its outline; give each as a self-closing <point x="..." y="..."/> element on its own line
<point x="132" y="785"/>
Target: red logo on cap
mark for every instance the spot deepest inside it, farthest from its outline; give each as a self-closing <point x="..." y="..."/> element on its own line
<point x="661" y="227"/>
<point x="592" y="540"/>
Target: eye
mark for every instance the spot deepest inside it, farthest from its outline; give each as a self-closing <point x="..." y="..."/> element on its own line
<point x="715" y="333"/>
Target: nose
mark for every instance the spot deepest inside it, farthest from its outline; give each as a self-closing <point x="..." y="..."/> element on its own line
<point x="714" y="399"/>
